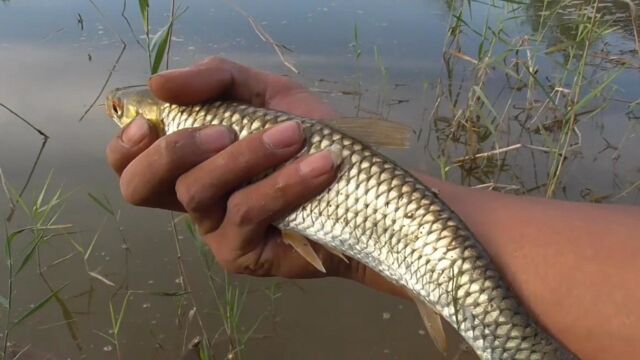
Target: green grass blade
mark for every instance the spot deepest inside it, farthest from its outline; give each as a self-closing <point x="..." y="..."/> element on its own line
<point x="112" y="340"/>
<point x="30" y="253"/>
<point x="596" y="92"/>
<point x="167" y="293"/>
<point x="8" y="239"/>
<point x="38" y="203"/>
<point x="75" y="244"/>
<point x="121" y="315"/>
<point x="37" y="307"/>
<point x="144" y="13"/>
<point x="4" y="302"/>
<point x="70" y="321"/>
<point x="158" y="47"/>
<point x="93" y="241"/>
<point x="102" y="204"/>
<point x="203" y="354"/>
<point x="159" y="43"/>
<point x="541" y="86"/>
<point x="486" y="101"/>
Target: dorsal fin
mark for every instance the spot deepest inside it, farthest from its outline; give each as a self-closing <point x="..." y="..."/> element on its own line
<point x="376" y="132"/>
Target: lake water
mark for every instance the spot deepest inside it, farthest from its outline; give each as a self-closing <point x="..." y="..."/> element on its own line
<point x="497" y="80"/>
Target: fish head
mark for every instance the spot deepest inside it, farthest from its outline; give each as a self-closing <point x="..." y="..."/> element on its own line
<point x="125" y="104"/>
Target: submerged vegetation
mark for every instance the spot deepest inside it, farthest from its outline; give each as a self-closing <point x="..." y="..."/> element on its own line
<point x="519" y="84"/>
<point x="547" y="90"/>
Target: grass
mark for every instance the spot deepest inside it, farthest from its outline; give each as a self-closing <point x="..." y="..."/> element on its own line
<point x="43" y="212"/>
<point x="158" y="45"/>
<point x="229" y="298"/>
<point x="42" y="226"/>
<point x="549" y="90"/>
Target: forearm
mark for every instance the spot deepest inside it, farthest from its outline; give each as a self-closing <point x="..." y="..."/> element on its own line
<point x="573" y="265"/>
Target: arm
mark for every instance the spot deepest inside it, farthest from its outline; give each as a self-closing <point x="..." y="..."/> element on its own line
<point x="573" y="265"/>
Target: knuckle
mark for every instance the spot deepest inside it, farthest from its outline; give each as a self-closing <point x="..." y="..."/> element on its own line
<point x="279" y="196"/>
<point x="216" y="61"/>
<point x="284" y="182"/>
<point x="167" y="145"/>
<point x="188" y="194"/>
<point x="169" y="149"/>
<point x="239" y="210"/>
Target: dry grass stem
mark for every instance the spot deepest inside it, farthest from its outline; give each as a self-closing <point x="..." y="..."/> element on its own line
<point x="264" y="36"/>
<point x="113" y="67"/>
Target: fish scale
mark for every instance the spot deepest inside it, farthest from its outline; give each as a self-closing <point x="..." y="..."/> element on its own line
<point x="380" y="214"/>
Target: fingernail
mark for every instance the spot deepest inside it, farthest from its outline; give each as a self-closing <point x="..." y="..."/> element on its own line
<point x="135" y="132"/>
<point x="215" y="138"/>
<point x="321" y="163"/>
<point x="284" y="135"/>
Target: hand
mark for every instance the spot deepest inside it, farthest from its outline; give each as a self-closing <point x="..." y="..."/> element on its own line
<point x="201" y="171"/>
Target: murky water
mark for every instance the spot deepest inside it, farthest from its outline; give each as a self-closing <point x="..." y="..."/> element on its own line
<point x="55" y="56"/>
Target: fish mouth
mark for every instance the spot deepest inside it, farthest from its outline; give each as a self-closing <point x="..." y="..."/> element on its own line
<point x="114" y="107"/>
<point x="114" y="104"/>
<point x="108" y="104"/>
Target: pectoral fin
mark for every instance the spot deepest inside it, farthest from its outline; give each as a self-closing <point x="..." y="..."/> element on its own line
<point x="433" y="323"/>
<point x="302" y="246"/>
<point x="376" y="132"/>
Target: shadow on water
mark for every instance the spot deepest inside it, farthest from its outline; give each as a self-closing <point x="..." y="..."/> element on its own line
<point x="538" y="98"/>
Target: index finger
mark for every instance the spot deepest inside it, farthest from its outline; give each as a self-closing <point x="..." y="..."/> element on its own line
<point x="216" y="78"/>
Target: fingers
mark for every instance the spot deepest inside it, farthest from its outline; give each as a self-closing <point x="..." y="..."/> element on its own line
<point x="210" y="79"/>
<point x="131" y="142"/>
<point x="191" y="85"/>
<point x="202" y="189"/>
<point x="217" y="78"/>
<point x="149" y="179"/>
<point x="238" y="243"/>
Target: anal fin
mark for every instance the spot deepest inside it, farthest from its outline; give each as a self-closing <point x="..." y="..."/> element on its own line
<point x="433" y="323"/>
<point x="303" y="247"/>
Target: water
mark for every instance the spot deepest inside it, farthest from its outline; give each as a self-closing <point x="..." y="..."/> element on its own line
<point x="53" y="67"/>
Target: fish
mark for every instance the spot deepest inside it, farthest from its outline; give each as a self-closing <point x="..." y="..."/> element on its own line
<point x="380" y="214"/>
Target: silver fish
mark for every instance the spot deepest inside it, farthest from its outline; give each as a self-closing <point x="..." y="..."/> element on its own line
<point x="380" y="214"/>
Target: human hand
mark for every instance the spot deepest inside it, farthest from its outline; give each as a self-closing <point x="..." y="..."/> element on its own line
<point x="201" y="171"/>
